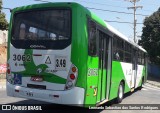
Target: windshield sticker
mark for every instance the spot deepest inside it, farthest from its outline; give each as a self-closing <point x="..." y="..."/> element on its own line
<point x="17" y="79"/>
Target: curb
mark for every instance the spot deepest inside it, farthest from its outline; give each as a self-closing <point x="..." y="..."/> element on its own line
<point x="153" y="84"/>
<point x="152" y="87"/>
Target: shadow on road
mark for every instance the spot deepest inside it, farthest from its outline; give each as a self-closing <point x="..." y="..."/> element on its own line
<point x="57" y="108"/>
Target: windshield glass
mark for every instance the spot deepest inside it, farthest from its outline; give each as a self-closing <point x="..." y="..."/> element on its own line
<point x="42" y="25"/>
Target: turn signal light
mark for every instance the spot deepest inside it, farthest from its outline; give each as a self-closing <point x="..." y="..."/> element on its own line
<point x="73" y="69"/>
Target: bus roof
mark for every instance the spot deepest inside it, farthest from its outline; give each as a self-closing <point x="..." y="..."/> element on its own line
<point x="112" y="29"/>
<point x="93" y="15"/>
<point x="115" y="31"/>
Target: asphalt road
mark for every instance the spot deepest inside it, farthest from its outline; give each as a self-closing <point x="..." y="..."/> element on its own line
<point x="148" y="95"/>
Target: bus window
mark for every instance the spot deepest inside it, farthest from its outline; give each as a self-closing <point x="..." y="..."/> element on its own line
<point x="39" y="24"/>
<point x="143" y="58"/>
<point x="127" y="56"/>
<point x="118" y="48"/>
<point x="139" y="57"/>
<point x="117" y="57"/>
<point x="92" y="46"/>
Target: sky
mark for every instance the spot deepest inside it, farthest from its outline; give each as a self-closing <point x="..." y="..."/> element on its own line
<point x="104" y="9"/>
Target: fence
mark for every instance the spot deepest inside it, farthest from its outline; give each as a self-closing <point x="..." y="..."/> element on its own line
<point x="154" y="70"/>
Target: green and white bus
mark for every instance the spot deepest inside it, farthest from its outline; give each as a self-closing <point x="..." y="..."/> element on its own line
<point x="63" y="53"/>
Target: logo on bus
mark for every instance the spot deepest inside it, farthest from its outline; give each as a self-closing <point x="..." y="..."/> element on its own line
<point x="36" y="78"/>
<point x="39" y="70"/>
<point x="37" y="46"/>
<point x="92" y="72"/>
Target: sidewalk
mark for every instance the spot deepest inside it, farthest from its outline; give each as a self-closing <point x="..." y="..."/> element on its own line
<point x="2" y="83"/>
<point x="153" y="81"/>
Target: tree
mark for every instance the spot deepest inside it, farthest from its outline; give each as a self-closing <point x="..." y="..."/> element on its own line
<point x="3" y="21"/>
<point x="151" y="37"/>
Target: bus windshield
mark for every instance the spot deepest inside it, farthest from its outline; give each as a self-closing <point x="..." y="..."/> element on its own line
<point x="37" y="26"/>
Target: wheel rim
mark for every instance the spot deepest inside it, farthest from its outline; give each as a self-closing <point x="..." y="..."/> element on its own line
<point x="120" y="91"/>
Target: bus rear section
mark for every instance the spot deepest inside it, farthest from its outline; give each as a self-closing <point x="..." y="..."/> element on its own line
<point x="39" y="56"/>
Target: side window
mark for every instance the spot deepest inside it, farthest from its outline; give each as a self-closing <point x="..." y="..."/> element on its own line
<point x="128" y="54"/>
<point x="115" y="51"/>
<point x="139" y="57"/>
<point x="143" y="58"/>
<point x="92" y="46"/>
<point x="118" y="49"/>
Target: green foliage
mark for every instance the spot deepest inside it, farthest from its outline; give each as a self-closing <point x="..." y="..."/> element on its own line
<point x="3" y="21"/>
<point x="151" y="37"/>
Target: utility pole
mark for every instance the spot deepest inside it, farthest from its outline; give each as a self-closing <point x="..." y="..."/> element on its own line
<point x="134" y="9"/>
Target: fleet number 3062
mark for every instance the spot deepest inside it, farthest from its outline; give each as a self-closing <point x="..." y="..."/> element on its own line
<point x="21" y="57"/>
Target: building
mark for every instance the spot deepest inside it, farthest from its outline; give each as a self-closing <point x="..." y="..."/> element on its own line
<point x="3" y="36"/>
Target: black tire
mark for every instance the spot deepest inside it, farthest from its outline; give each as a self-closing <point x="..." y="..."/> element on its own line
<point x="120" y="93"/>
